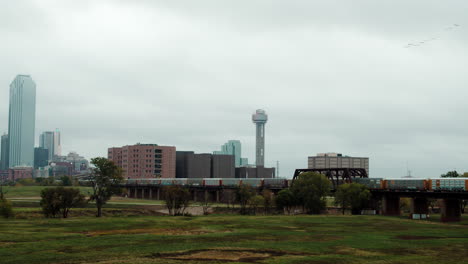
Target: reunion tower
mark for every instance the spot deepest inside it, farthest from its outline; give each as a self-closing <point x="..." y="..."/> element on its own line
<point x="260" y="118"/>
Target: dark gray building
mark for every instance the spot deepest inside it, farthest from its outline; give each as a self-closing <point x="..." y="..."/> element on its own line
<point x="223" y="166"/>
<point x="41" y="157"/>
<point x="255" y="172"/>
<point x="5" y="152"/>
<point x="191" y="165"/>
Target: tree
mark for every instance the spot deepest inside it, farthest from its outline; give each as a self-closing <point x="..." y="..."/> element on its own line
<point x="268" y="200"/>
<point x="6" y="209"/>
<point x="255" y="202"/>
<point x="243" y="195"/>
<point x="105" y="180"/>
<point x="352" y="195"/>
<point x="59" y="200"/>
<point x="285" y="200"/>
<point x="450" y="174"/>
<point x="310" y="190"/>
<point x="66" y="180"/>
<point x="177" y="199"/>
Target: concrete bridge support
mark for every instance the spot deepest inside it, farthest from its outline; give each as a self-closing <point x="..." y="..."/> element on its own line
<point x="391" y="205"/>
<point x="450" y="211"/>
<point x="419" y="205"/>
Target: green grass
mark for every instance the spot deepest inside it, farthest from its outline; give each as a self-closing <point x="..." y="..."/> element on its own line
<point x="34" y="191"/>
<point x="289" y="239"/>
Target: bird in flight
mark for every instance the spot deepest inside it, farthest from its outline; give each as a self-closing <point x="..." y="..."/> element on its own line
<point x="419" y="43"/>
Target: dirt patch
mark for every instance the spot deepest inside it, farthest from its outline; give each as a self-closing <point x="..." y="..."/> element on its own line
<point x="404" y="237"/>
<point x="227" y="255"/>
<point x="170" y="232"/>
<point x="356" y="252"/>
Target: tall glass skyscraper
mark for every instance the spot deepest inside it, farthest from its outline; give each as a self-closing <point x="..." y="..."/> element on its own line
<point x="51" y="141"/>
<point x="233" y="147"/>
<point x="22" y="121"/>
<point x="5" y="156"/>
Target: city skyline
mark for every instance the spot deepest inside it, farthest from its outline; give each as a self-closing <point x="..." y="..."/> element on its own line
<point x="343" y="82"/>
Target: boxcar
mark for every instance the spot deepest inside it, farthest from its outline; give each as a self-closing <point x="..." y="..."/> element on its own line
<point x="451" y="184"/>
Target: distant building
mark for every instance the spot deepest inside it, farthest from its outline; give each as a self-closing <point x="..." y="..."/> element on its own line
<point x="21" y="123"/>
<point x="4" y="175"/>
<point x="255" y="172"/>
<point x="337" y="160"/>
<point x="233" y="147"/>
<point x="17" y="173"/>
<point x="51" y="140"/>
<point x="5" y="153"/>
<point x="41" y="157"/>
<point x="260" y="118"/>
<point x="145" y="160"/>
<point x="191" y="165"/>
<point x="222" y="166"/>
<point x="61" y="168"/>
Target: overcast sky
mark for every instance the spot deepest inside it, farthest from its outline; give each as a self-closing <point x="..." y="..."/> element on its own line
<point x="333" y="76"/>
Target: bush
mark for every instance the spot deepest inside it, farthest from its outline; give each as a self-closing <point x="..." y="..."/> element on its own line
<point x="58" y="201"/>
<point x="6" y="209"/>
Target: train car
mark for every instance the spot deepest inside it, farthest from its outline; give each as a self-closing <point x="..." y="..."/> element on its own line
<point x="232" y="182"/>
<point x="212" y="182"/>
<point x="275" y="183"/>
<point x="449" y="184"/>
<point x="195" y="182"/>
<point x="180" y="181"/>
<point x="371" y="183"/>
<point x="165" y="181"/>
<point x="253" y="182"/>
<point x="407" y="184"/>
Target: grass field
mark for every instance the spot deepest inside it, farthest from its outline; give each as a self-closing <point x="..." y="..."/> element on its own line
<point x="34" y="191"/>
<point x="234" y="239"/>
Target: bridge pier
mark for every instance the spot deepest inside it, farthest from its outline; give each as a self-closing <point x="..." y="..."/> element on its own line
<point x="419" y="206"/>
<point x="450" y="211"/>
<point x="391" y="205"/>
<point x="151" y="193"/>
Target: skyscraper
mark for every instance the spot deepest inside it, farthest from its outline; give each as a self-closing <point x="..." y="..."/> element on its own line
<point x="260" y="118"/>
<point x="47" y="141"/>
<point x="57" y="143"/>
<point x="22" y="121"/>
<point x="4" y="153"/>
<point x="232" y="147"/>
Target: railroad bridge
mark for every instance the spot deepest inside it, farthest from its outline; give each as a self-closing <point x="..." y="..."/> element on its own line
<point x="385" y="199"/>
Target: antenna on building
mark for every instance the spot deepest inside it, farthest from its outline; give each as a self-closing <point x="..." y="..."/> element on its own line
<point x="277" y="169"/>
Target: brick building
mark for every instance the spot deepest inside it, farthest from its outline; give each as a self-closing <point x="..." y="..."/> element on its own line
<point x="17" y="173"/>
<point x="145" y="160"/>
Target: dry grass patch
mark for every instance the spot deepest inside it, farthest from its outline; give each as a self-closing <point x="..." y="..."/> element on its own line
<point x="169" y="232"/>
<point x="224" y="254"/>
<point x="357" y="252"/>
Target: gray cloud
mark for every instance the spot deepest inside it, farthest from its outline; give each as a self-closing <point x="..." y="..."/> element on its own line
<point x="333" y="76"/>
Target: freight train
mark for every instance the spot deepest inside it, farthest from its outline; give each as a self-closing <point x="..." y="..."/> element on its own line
<point x="214" y="182"/>
<point x="439" y="184"/>
<point x="436" y="184"/>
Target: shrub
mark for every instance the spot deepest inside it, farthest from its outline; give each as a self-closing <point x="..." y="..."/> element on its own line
<point x="6" y="209"/>
<point x="285" y="200"/>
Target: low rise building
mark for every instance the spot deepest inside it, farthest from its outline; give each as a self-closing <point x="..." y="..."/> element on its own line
<point x="255" y="172"/>
<point x="145" y="160"/>
<point x="337" y="160"/>
<point x="17" y="173"/>
<point x="191" y="165"/>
